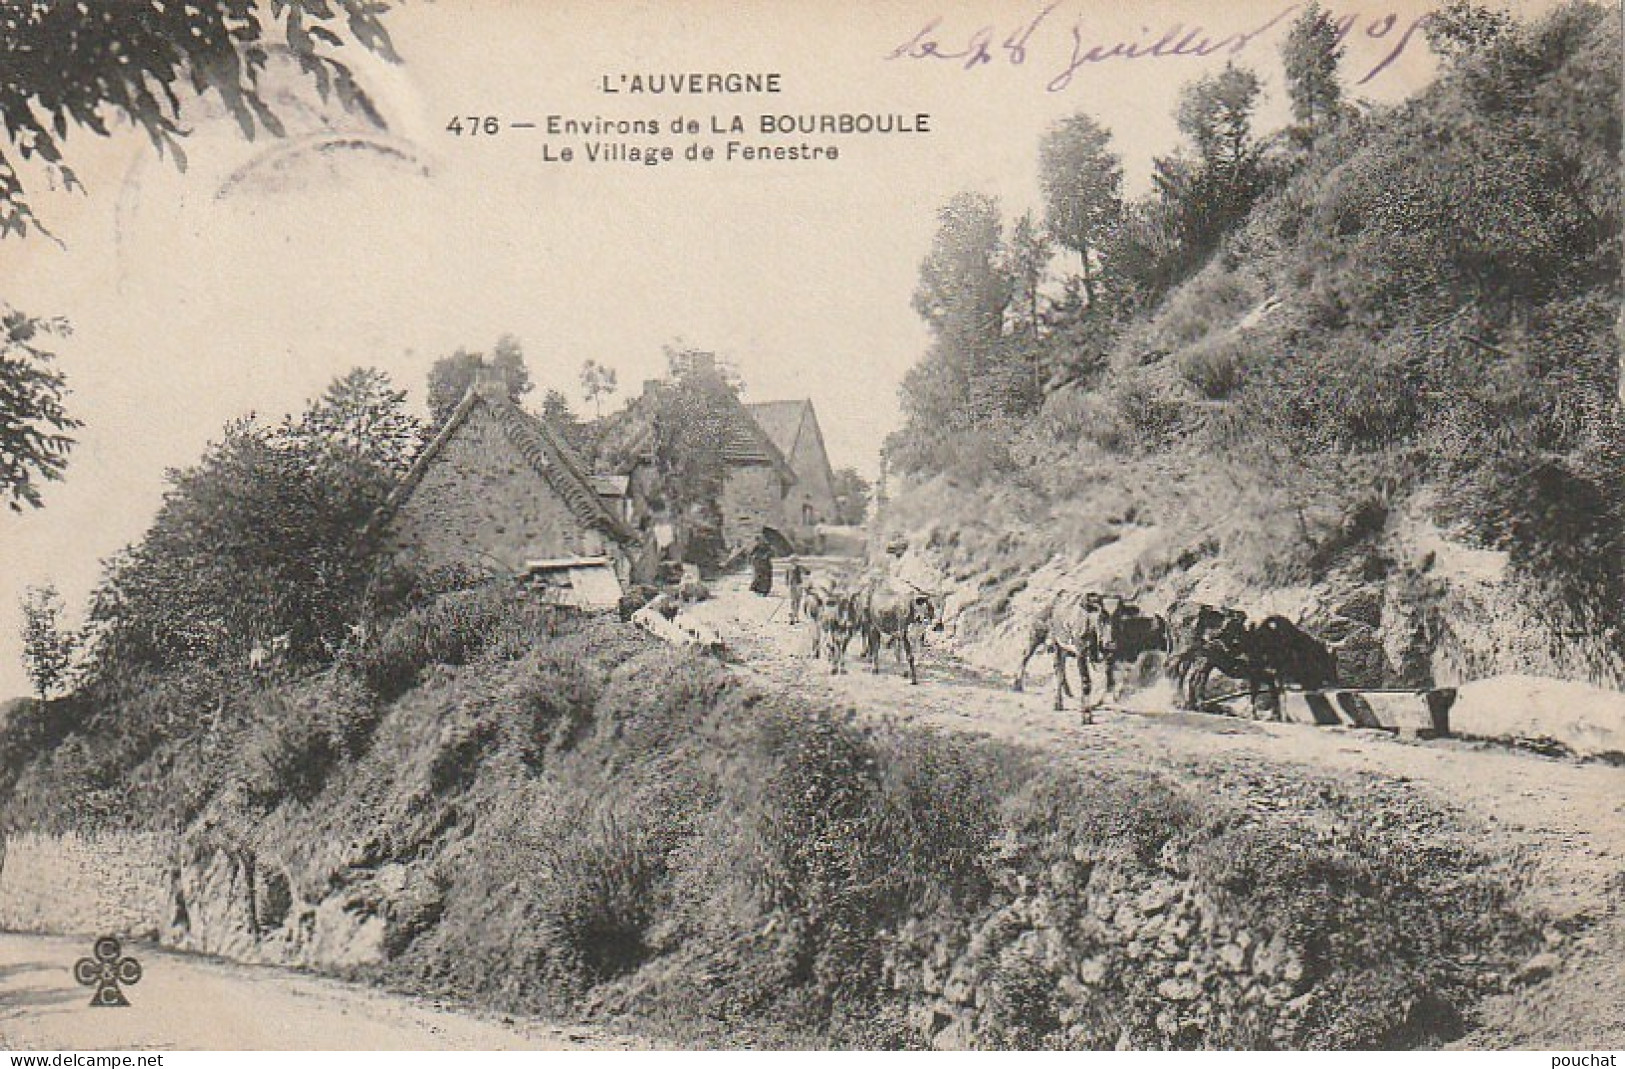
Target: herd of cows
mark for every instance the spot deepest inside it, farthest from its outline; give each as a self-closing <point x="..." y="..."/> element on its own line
<point x="1192" y="641"/>
<point x="1189" y="643"/>
<point x="880" y="611"/>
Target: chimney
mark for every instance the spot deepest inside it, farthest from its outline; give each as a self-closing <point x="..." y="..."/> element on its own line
<point x="489" y="382"/>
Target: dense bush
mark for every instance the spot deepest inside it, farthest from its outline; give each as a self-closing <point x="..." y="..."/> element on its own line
<point x="600" y="874"/>
<point x="1214" y="367"/>
<point x="1209" y="303"/>
<point x="453" y="629"/>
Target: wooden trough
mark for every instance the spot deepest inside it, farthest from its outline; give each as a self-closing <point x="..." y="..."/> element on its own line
<point x="1424" y="713"/>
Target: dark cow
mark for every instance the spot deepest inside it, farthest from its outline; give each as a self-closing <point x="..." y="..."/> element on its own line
<point x="1075" y="625"/>
<point x="1217" y="639"/>
<point x="1189" y="622"/>
<point x="1271" y="654"/>
<point x="1199" y="635"/>
<point x="1284" y="654"/>
<point x="899" y="618"/>
<point x="1134" y="631"/>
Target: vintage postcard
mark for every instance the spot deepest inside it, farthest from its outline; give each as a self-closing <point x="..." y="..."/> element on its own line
<point x="915" y="525"/>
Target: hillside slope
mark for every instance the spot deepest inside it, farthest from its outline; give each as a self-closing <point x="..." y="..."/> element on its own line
<point x="1386" y="406"/>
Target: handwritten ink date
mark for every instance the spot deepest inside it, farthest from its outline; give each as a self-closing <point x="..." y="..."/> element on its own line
<point x="988" y="44"/>
<point x="979" y="48"/>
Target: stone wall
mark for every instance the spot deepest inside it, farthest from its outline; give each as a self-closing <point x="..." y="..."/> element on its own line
<point x="751" y="497"/>
<point x="108" y="884"/>
<point x="482" y="505"/>
<point x="197" y="897"/>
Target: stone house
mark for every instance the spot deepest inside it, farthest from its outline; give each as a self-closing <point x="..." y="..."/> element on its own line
<point x="792" y="426"/>
<point x="755" y="492"/>
<point x="496" y="490"/>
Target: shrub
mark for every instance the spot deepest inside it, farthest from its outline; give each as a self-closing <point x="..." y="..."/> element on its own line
<point x="658" y="701"/>
<point x="551" y="700"/>
<point x="1211" y="301"/>
<point x="1076" y="414"/>
<point x="1145" y="417"/>
<point x="453" y="629"/>
<point x="1214" y="366"/>
<point x="601" y="873"/>
<point x="941" y="812"/>
<point x="288" y="750"/>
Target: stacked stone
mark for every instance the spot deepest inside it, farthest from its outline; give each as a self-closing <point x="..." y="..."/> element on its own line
<point x="1128" y="957"/>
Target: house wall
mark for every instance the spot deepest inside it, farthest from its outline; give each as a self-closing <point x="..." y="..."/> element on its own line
<point x="481" y="504"/>
<point x="813" y="478"/>
<point x="751" y="497"/>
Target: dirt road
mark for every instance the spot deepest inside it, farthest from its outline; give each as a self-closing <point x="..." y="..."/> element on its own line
<point x="1562" y="821"/>
<point x="189" y="1003"/>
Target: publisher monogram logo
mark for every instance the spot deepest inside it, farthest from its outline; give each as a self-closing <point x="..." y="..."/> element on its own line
<point x="107" y="970"/>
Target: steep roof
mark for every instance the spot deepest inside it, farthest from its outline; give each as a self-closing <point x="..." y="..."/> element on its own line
<point x="747" y="441"/>
<point x="548" y="454"/>
<point x="781" y="421"/>
<point x="788" y="424"/>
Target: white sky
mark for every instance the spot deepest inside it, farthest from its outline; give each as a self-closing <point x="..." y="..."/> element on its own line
<point x="196" y="298"/>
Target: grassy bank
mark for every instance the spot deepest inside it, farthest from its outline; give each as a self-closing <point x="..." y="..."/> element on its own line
<point x="542" y="813"/>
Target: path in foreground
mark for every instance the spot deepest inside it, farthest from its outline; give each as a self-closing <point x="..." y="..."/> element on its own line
<point x="190" y="1003"/>
<point x="1563" y="819"/>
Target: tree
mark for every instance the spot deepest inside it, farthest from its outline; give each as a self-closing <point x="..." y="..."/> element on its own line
<point x="48" y="649"/>
<point x="262" y="536"/>
<point x="694" y="416"/>
<point x="361" y="417"/>
<point x="963" y="293"/>
<point x="597" y="383"/>
<point x="1082" y="181"/>
<point x="1216" y="113"/>
<point x="93" y="64"/>
<point x="34" y="444"/>
<point x="851" y="496"/>
<point x="1200" y="197"/>
<point x="1310" y="54"/>
<point x="1460" y="29"/>
<point x="1026" y="261"/>
<point x="85" y="64"/>
<point x="1028" y="258"/>
<point x="963" y="289"/>
<point x="559" y="416"/>
<point x="451" y="376"/>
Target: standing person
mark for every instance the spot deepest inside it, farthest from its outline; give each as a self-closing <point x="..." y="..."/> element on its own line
<point x="761" y="562"/>
<point x="796" y="576"/>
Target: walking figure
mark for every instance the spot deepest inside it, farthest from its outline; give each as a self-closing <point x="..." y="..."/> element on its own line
<point x="761" y="561"/>
<point x="796" y="576"/>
